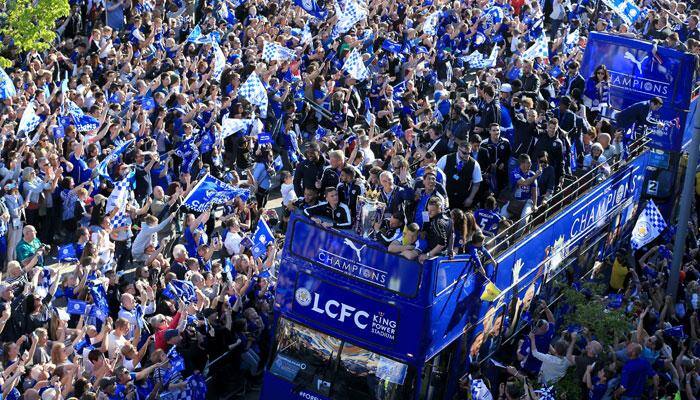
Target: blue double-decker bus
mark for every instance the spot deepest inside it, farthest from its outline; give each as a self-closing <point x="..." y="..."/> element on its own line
<point x="353" y="321"/>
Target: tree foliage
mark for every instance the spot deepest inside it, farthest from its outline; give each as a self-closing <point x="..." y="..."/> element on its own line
<point x="31" y="24"/>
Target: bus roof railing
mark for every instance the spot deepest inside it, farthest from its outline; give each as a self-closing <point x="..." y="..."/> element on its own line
<point x="561" y="199"/>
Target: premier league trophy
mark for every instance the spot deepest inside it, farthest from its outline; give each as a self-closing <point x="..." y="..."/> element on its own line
<point x="369" y="211"/>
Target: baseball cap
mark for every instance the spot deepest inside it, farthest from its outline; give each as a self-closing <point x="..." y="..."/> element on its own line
<point x="506" y="88"/>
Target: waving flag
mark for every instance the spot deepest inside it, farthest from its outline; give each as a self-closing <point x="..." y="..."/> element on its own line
<point x="82" y="121"/>
<point x="195" y="35"/>
<point x="486" y="62"/>
<point x="354" y="12"/>
<point x="76" y="307"/>
<point x="312" y="7"/>
<point x="539" y="49"/>
<point x="321" y="132"/>
<point x="209" y="191"/>
<point x="7" y="88"/>
<point x="119" y="198"/>
<point x="102" y="167"/>
<point x="479" y="390"/>
<point x="262" y="237"/>
<point x="431" y="23"/>
<point x="649" y="226"/>
<point x="219" y="62"/>
<point x="355" y="67"/>
<point x="368" y="111"/>
<point x="67" y="253"/>
<point x="100" y="308"/>
<point x="273" y="51"/>
<point x="188" y="151"/>
<point x="254" y="91"/>
<point x="571" y="41"/>
<point x="625" y="9"/>
<point x="29" y="120"/>
<point x="183" y="290"/>
<point x="225" y="14"/>
<point x="391" y="46"/>
<point x="177" y="365"/>
<point x="230" y="126"/>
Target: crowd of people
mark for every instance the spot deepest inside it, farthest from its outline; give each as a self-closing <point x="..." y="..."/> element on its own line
<point x="112" y="288"/>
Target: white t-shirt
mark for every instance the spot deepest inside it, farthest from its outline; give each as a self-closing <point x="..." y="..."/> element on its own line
<point x="233" y="243"/>
<point x="115" y="344"/>
<point x="288" y="193"/>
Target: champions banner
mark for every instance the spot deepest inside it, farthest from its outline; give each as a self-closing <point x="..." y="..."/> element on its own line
<point x="638" y="73"/>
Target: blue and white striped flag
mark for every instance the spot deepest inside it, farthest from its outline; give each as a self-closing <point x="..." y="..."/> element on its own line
<point x="82" y="121"/>
<point x="431" y="23"/>
<point x="276" y="52"/>
<point x="219" y="62"/>
<point x="226" y="14"/>
<point x="29" y="120"/>
<point x="479" y="390"/>
<point x="539" y="49"/>
<point x="355" y="66"/>
<point x="254" y="91"/>
<point x="625" y="9"/>
<point x="7" y="88"/>
<point x="210" y="191"/>
<point x="649" y="226"/>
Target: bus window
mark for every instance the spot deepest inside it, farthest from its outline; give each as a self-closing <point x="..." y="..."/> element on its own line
<point x="305" y="357"/>
<point x="363" y="374"/>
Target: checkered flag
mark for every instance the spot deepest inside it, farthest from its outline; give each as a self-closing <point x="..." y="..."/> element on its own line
<point x="571" y="41"/>
<point x="353" y="13"/>
<point x="431" y="23"/>
<point x="254" y="91"/>
<point x="481" y="62"/>
<point x="355" y="66"/>
<point x="273" y="51"/>
<point x="546" y="393"/>
<point x="649" y="226"/>
<point x="119" y="198"/>
<point x="539" y="49"/>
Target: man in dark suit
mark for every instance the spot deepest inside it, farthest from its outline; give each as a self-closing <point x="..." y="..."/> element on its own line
<point x="638" y="114"/>
<point x="573" y="83"/>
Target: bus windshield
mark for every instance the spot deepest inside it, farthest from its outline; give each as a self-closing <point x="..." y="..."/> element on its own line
<point x="315" y="361"/>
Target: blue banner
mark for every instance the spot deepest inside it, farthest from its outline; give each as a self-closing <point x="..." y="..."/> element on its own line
<point x="210" y="191"/>
<point x="262" y="237"/>
<point x="345" y="311"/>
<point x="355" y="259"/>
<point x="638" y="73"/>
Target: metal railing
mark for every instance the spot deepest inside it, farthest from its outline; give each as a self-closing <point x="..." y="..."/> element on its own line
<point x="567" y="195"/>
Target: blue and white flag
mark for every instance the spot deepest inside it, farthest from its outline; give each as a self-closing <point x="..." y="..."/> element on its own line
<point x="219" y="62"/>
<point x="649" y="226"/>
<point x="479" y="390"/>
<point x="100" y="307"/>
<point x="625" y="9"/>
<point x="29" y="120"/>
<point x="431" y="23"/>
<point x="539" y="49"/>
<point x="183" y="290"/>
<point x="321" y="132"/>
<point x="262" y="237"/>
<point x="353" y="13"/>
<point x="188" y="151"/>
<point x="82" y="121"/>
<point x="368" y="111"/>
<point x="7" y="88"/>
<point x="254" y="91"/>
<point x="355" y="67"/>
<point x="226" y="14"/>
<point x="76" y="307"/>
<point x="264" y="138"/>
<point x="67" y="253"/>
<point x="399" y="90"/>
<point x="571" y="41"/>
<point x="675" y="332"/>
<point x="546" y="393"/>
<point x="195" y="35"/>
<point x="275" y="52"/>
<point x="231" y="126"/>
<point x="482" y="62"/>
<point x="103" y="167"/>
<point x="391" y="46"/>
<point x="210" y="191"/>
<point x="177" y="364"/>
<point x="312" y="7"/>
<point x="119" y="198"/>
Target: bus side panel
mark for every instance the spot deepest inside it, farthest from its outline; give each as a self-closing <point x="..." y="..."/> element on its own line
<point x="275" y="388"/>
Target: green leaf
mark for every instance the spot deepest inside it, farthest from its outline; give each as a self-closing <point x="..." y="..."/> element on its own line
<point x="32" y="23"/>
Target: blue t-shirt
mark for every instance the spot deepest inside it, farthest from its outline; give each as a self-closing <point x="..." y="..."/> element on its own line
<point x="597" y="392"/>
<point x="488" y="220"/>
<point x="522" y="192"/>
<point x="634" y="376"/>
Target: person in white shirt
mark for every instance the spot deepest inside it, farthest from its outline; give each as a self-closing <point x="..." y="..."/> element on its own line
<point x="287" y="189"/>
<point x="128" y="309"/>
<point x="116" y="338"/>
<point x="554" y="365"/>
<point x="233" y="238"/>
